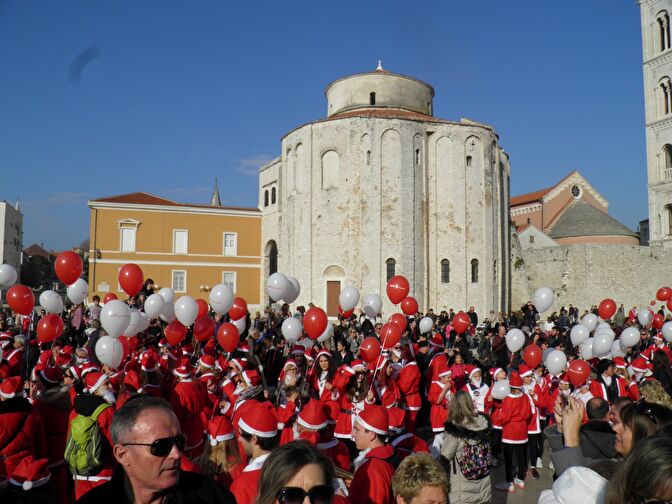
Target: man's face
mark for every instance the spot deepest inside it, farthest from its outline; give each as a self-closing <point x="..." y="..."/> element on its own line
<point x="427" y="495"/>
<point x="147" y="471"/>
<point x="361" y="436"/>
<point x="247" y="445"/>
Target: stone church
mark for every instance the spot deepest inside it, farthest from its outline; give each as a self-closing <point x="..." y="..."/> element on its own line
<point x="380" y="186"/>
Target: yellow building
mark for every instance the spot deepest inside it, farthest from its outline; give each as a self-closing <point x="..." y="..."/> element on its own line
<point x="188" y="247"/>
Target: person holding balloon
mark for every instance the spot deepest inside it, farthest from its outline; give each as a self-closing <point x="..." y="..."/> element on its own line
<point x="538" y="400"/>
<point x="439" y="396"/>
<point x="493" y="406"/>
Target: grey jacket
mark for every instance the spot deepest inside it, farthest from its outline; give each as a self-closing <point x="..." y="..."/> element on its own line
<point x="564" y="457"/>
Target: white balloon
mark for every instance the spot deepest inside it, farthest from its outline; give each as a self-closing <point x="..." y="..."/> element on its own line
<point x="167" y="294"/>
<point x="644" y="317"/>
<point x="135" y="324"/>
<point x="78" y="291"/>
<point x="293" y="290"/>
<point x="602" y="325"/>
<point x="186" y="310"/>
<point x="145" y="321"/>
<point x="630" y="336"/>
<point x="51" y="301"/>
<point x="590" y="321"/>
<point x="605" y="330"/>
<point x="240" y="324"/>
<point x="109" y="351"/>
<point x="500" y="389"/>
<point x="371" y="305"/>
<point x="291" y="329"/>
<point x="617" y="349"/>
<point x="667" y="331"/>
<point x="602" y="344"/>
<point x="556" y="362"/>
<point x="221" y="298"/>
<point x="348" y="298"/>
<point x="579" y="334"/>
<point x="543" y="299"/>
<point x="154" y="305"/>
<point x="168" y="312"/>
<point x="328" y="332"/>
<point x="115" y="317"/>
<point x="515" y="339"/>
<point x="276" y="286"/>
<point x="586" y="349"/>
<point x="8" y="275"/>
<point x="425" y="325"/>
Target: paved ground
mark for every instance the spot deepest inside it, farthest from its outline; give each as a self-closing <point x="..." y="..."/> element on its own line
<point x="528" y="495"/>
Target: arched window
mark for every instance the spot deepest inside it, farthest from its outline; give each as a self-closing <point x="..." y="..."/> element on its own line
<point x="330" y="169"/>
<point x="665" y="95"/>
<point x="372" y="98"/>
<point x="468" y="160"/>
<point x="668" y="209"/>
<point x="391" y="268"/>
<point x="266" y="198"/>
<point x="417" y="157"/>
<point x="474" y="271"/>
<point x="368" y="158"/>
<point x="667" y="161"/>
<point x="663" y="20"/>
<point x="445" y="271"/>
<point x="273" y="196"/>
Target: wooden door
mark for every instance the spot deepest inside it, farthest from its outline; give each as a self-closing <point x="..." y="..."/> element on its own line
<point x="333" y="291"/>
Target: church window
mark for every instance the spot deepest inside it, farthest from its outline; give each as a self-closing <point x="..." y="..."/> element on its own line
<point x="667" y="161"/>
<point x="372" y="98"/>
<point x="368" y="158"/>
<point x="468" y="160"/>
<point x="576" y="192"/>
<point x="474" y="271"/>
<point x="330" y="169"/>
<point x="663" y="20"/>
<point x="273" y="196"/>
<point x="266" y="198"/>
<point x="391" y="268"/>
<point x="417" y="157"/>
<point x="445" y="271"/>
<point x="669" y="219"/>
<point x="665" y="95"/>
<point x="531" y="238"/>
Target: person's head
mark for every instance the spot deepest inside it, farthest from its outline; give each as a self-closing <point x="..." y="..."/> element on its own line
<point x="615" y="409"/>
<point x="96" y="299"/>
<point x="605" y="368"/>
<point x="324" y="361"/>
<point x="370" y="428"/>
<point x="458" y="358"/>
<point x="257" y="429"/>
<point x="340" y="345"/>
<point x="639" y="420"/>
<point x="296" y="473"/>
<point x="19" y="341"/>
<point x="148" y="443"/>
<point x="597" y="409"/>
<point x="462" y="410"/>
<point x="419" y="479"/>
<point x="653" y="391"/>
<point x="660" y="360"/>
<point x="645" y="475"/>
<point x="476" y="377"/>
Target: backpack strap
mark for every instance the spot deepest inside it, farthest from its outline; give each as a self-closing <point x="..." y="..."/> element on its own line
<point x="96" y="413"/>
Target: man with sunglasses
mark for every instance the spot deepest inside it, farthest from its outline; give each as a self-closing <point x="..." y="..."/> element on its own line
<point x="148" y="446"/>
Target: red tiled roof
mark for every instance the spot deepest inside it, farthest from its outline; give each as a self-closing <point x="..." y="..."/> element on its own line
<point x="387" y="113"/>
<point x="143" y="198"/>
<point x="36" y="250"/>
<point x="531" y="197"/>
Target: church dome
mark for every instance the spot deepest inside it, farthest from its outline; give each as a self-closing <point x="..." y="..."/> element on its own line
<point x="379" y="89"/>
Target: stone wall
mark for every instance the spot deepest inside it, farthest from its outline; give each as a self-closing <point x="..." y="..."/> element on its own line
<point x="584" y="274"/>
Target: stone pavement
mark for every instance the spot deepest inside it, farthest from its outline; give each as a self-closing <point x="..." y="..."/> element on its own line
<point x="528" y="495"/>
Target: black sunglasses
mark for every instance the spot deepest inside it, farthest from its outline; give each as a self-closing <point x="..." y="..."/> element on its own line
<point x="642" y="408"/>
<point x="162" y="447"/>
<point x="321" y="494"/>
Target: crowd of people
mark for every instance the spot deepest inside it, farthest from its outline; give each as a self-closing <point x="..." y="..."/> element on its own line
<point x="274" y="422"/>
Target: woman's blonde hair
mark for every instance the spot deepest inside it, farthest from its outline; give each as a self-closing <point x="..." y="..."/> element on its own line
<point x="653" y="391"/>
<point x="218" y="459"/>
<point x="416" y="472"/>
<point x="462" y="411"/>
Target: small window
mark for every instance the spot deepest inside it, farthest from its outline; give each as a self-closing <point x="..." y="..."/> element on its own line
<point x="445" y="271"/>
<point x="230" y="244"/>
<point x="667" y="156"/>
<point x="368" y="158"/>
<point x="417" y="157"/>
<point x="266" y="198"/>
<point x="127" y="239"/>
<point x="229" y="278"/>
<point x="179" y="281"/>
<point x="180" y="240"/>
<point x="273" y="198"/>
<point x="529" y="220"/>
<point x="474" y="271"/>
<point x="531" y="238"/>
<point x="391" y="268"/>
<point x="468" y="160"/>
<point x="372" y="98"/>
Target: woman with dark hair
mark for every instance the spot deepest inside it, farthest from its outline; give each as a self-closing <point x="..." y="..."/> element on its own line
<point x="353" y="390"/>
<point x="296" y="471"/>
<point x="322" y="384"/>
<point x="661" y="370"/>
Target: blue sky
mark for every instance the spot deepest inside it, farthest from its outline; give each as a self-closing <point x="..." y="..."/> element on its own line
<point x="101" y="98"/>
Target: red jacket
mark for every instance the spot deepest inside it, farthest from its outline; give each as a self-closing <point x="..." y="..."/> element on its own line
<point x="337" y="452"/>
<point x="21" y="432"/>
<point x="407" y="444"/>
<point x="514" y="415"/>
<point x="409" y="386"/>
<point x="598" y="389"/>
<point x="246" y="486"/>
<point x="188" y="401"/>
<point x="55" y="405"/>
<point x="372" y="482"/>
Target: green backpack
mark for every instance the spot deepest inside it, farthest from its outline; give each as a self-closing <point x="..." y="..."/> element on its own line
<point x="84" y="451"/>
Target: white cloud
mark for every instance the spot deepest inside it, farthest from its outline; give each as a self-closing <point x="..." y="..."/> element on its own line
<point x="55" y="198"/>
<point x="250" y="166"/>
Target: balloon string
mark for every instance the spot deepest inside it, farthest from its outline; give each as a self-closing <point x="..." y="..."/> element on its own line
<point x="375" y="371"/>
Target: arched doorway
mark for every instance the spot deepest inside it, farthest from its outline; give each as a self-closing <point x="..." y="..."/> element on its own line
<point x="270" y="263"/>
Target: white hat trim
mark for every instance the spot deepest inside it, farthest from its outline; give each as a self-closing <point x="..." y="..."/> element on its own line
<point x="44" y="376"/>
<point x="27" y="485"/>
<point x="360" y="420"/>
<point x="7" y="396"/>
<point x="97" y="385"/>
<point x="307" y="425"/>
<point x="265" y="434"/>
<point x="220" y="439"/>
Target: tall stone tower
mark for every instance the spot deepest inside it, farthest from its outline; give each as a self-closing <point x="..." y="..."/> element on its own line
<point x="657" y="56"/>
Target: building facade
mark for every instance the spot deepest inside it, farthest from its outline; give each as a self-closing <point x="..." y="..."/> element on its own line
<point x="657" y="66"/>
<point x="11" y="235"/>
<point x="382" y="187"/>
<point x="188" y="247"/>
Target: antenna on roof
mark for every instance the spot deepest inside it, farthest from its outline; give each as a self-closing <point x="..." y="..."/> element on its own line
<point x="380" y="65"/>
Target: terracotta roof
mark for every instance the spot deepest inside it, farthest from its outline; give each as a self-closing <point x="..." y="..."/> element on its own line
<point x="531" y="197"/>
<point x="36" y="250"/>
<point x="387" y="113"/>
<point x="143" y="198"/>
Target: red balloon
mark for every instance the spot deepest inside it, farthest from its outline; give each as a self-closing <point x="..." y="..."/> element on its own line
<point x="345" y="314"/>
<point x="20" y="299"/>
<point x="175" y="332"/>
<point x="369" y="350"/>
<point x="653" y="302"/>
<point x="238" y="309"/>
<point x="315" y="322"/>
<point x="461" y="322"/>
<point x="228" y="337"/>
<point x="664" y="294"/>
<point x="126" y="344"/>
<point x="578" y="372"/>
<point x="409" y="306"/>
<point x="131" y="279"/>
<point x="110" y="296"/>
<point x="398" y="319"/>
<point x="532" y="355"/>
<point x="397" y="289"/>
<point x="204" y="328"/>
<point x="390" y="335"/>
<point x="606" y="309"/>
<point x="669" y="305"/>
<point x="203" y="308"/>
<point x="658" y="321"/>
<point x="69" y="267"/>
<point x="49" y="328"/>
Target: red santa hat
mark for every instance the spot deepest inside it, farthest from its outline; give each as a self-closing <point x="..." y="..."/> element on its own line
<point x="289" y="363"/>
<point x="470" y="370"/>
<point x="30" y="473"/>
<point x="564" y="378"/>
<point x="238" y="363"/>
<point x="11" y="387"/>
<point x="358" y="365"/>
<point x="76" y="372"/>
<point x="51" y="375"/>
<point x="188" y="349"/>
<point x="494" y="371"/>
<point x="324" y="352"/>
<point x="132" y="365"/>
<point x="205" y="377"/>
<point x="312" y="415"/>
<point x="183" y="370"/>
<point x="64" y="360"/>
<point x="258" y="419"/>
<point x="375" y="419"/>
<point x="524" y="370"/>
<point x="94" y="380"/>
<point x="207" y="361"/>
<point x="221" y="362"/>
<point x="379" y="363"/>
<point x="132" y="382"/>
<point x="45" y="357"/>
<point x="619" y="362"/>
<point x="210" y="348"/>
<point x="436" y="341"/>
<point x="298" y="350"/>
<point x="515" y="380"/>
<point x="88" y="367"/>
<point x="148" y="362"/>
<point x="163" y="343"/>
<point x="174" y="353"/>
<point x="639" y="365"/>
<point x="219" y="430"/>
<point x="310" y="354"/>
<point x="397" y="419"/>
<point x="252" y="377"/>
<point x="444" y="370"/>
<point x="244" y="347"/>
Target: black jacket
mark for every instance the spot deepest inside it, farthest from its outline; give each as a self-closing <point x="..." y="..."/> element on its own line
<point x="193" y="488"/>
<point x="597" y="440"/>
